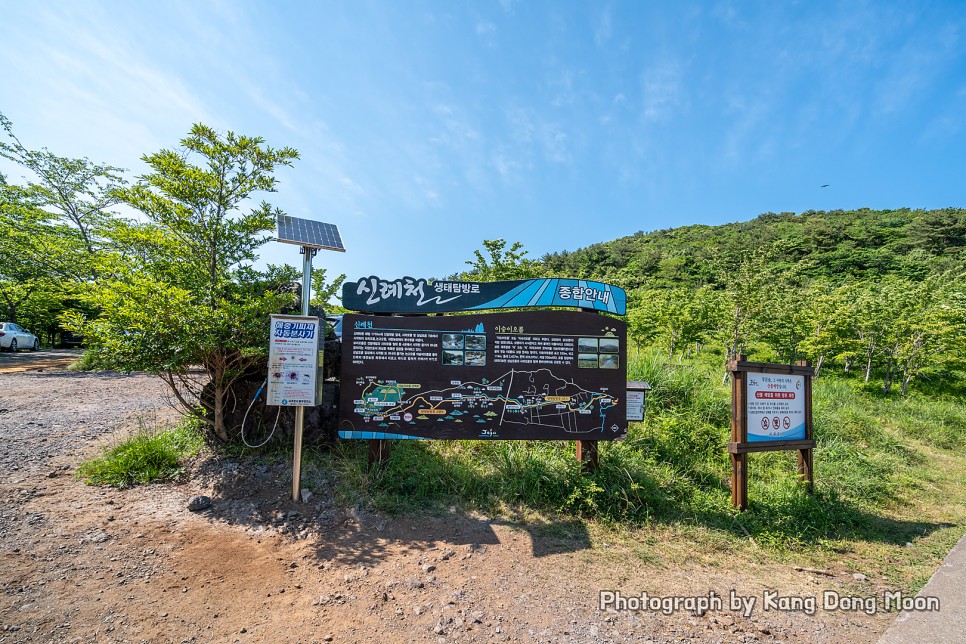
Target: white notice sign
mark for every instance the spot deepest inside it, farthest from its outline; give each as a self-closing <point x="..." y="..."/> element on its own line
<point x="776" y="407"/>
<point x="635" y="405"/>
<point x="293" y="361"/>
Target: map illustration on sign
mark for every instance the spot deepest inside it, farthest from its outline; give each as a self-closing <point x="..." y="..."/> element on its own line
<point x="525" y="375"/>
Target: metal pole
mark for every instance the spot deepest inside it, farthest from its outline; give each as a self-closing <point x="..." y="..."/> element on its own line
<point x="297" y="459"/>
<point x="307" y="253"/>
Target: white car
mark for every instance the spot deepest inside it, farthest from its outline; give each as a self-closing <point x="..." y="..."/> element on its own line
<point x="13" y="337"/>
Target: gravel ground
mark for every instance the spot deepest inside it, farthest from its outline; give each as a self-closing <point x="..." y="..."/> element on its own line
<point x="86" y="564"/>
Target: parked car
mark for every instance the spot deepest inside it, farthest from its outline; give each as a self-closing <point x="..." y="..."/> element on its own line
<point x="70" y="339"/>
<point x="13" y="337"/>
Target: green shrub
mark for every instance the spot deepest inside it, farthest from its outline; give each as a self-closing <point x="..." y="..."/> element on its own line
<point x="144" y="457"/>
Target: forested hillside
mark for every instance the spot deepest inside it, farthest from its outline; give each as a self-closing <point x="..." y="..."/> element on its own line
<point x="874" y="292"/>
<point x="838" y="245"/>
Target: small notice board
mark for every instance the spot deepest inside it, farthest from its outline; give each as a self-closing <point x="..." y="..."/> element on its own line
<point x="294" y="361"/>
<point x="771" y="409"/>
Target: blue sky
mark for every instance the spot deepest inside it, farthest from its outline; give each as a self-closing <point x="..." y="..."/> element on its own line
<point x="427" y="127"/>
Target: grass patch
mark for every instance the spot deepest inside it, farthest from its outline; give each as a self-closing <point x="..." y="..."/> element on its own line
<point x="85" y="363"/>
<point x="146" y="456"/>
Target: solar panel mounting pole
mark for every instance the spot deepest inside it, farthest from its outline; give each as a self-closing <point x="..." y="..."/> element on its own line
<point x="311" y="236"/>
<point x="307" y="255"/>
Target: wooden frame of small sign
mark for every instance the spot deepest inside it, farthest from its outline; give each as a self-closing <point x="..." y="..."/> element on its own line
<point x="771" y="409"/>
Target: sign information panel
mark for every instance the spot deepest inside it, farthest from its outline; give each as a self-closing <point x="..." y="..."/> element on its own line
<point x="776" y="407"/>
<point x="550" y="375"/>
<point x="635" y="405"/>
<point x="293" y="361"/>
<point x="411" y="295"/>
<point x="771" y="409"/>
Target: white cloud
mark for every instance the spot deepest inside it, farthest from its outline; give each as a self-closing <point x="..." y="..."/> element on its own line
<point x="661" y="91"/>
<point x="605" y="27"/>
<point x="555" y="141"/>
<point x="487" y="32"/>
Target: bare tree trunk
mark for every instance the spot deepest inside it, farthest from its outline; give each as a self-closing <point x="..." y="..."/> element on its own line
<point x="219" y="404"/>
<point x="887" y="380"/>
<point x="848" y="363"/>
<point x="724" y="378"/>
<point x="818" y="364"/>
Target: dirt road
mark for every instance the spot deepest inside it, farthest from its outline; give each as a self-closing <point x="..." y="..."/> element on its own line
<point x="84" y="564"/>
<point x="38" y="361"/>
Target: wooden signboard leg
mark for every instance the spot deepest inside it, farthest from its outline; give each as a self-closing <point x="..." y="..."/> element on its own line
<point x="588" y="456"/>
<point x="739" y="435"/>
<point x="805" y="467"/>
<point x="378" y="451"/>
<point x="739" y="481"/>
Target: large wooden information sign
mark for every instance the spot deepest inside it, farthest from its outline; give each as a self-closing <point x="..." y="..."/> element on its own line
<point x="771" y="409"/>
<point x="550" y="375"/>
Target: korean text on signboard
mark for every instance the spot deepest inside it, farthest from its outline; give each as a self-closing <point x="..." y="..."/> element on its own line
<point x="552" y="375"/>
<point x="776" y="407"/>
<point x="293" y="361"/>
<point x="411" y="295"/>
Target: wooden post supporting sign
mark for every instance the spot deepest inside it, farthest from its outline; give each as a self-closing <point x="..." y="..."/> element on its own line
<point x="588" y="456"/>
<point x="378" y="451"/>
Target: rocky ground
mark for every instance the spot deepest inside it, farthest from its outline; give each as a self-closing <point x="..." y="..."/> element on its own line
<point x="80" y="563"/>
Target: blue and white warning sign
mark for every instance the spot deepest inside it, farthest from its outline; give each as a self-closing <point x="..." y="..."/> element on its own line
<point x="293" y="361"/>
<point x="776" y="407"/>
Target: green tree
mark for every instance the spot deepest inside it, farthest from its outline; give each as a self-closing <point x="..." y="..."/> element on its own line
<point x="923" y="327"/>
<point x="325" y="291"/>
<point x="502" y="264"/>
<point x="78" y="192"/>
<point x="677" y="318"/>
<point x="782" y="320"/>
<point x="745" y="290"/>
<point x="829" y="324"/>
<point x="183" y="294"/>
<point x="53" y="231"/>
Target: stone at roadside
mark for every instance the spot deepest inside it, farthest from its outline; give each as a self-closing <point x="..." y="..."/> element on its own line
<point x="198" y="503"/>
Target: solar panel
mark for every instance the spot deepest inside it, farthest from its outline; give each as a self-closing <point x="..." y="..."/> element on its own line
<point x="306" y="232"/>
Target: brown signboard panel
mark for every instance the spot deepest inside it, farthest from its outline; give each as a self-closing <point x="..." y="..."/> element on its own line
<point x="547" y="375"/>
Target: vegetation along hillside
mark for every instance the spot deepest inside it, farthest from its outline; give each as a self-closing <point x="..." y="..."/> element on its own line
<point x="880" y="292"/>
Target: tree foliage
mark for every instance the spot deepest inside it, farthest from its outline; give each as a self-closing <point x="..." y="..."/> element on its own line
<point x="53" y="231"/>
<point x="873" y="292"/>
<point x="182" y="293"/>
<point x="77" y="192"/>
<point x="501" y="263"/>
